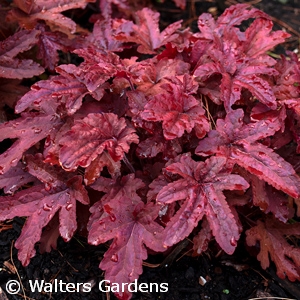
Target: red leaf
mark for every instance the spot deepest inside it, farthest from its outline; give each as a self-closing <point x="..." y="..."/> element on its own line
<point x="261" y="39"/>
<point x="52" y="176"/>
<point x="103" y="36"/>
<point x="156" y="144"/>
<point x="150" y="76"/>
<point x="287" y="86"/>
<point x="146" y="32"/>
<point x="47" y="95"/>
<point x="97" y="68"/>
<point x="92" y="172"/>
<point x="201" y="240"/>
<point x="268" y="199"/>
<point x="179" y="112"/>
<point x="239" y="57"/>
<point x="238" y="141"/>
<point x="106" y="7"/>
<point x="93" y="135"/>
<point x="51" y="146"/>
<point x="123" y="217"/>
<point x="29" y="129"/>
<point x="50" y="235"/>
<point x="15" y="178"/>
<point x="268" y="166"/>
<point x="48" y="45"/>
<point x="235" y="14"/>
<point x="201" y="192"/>
<point x="11" y="67"/>
<point x="40" y="205"/>
<point x="271" y="237"/>
<point x="28" y="13"/>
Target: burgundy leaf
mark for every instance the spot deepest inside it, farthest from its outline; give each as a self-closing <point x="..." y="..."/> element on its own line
<point x="150" y="76"/>
<point x="47" y="95"/>
<point x="28" y="13"/>
<point x="52" y="176"/>
<point x="235" y="14"/>
<point x="201" y="191"/>
<point x="123" y="217"/>
<point x="51" y="146"/>
<point x="268" y="166"/>
<point x="238" y="141"/>
<point x="270" y="200"/>
<point x="146" y="32"/>
<point x="29" y="129"/>
<point x="288" y="79"/>
<point x="15" y="178"/>
<point x="239" y="57"/>
<point x="12" y="67"/>
<point x="217" y="93"/>
<point x="201" y="240"/>
<point x="106" y="7"/>
<point x="50" y="234"/>
<point x="178" y="111"/>
<point x="97" y="68"/>
<point x="49" y="43"/>
<point x="271" y="237"/>
<point x="156" y="144"/>
<point x="40" y="205"/>
<point x="93" y="171"/>
<point x="261" y="39"/>
<point x="103" y="36"/>
<point x="93" y="135"/>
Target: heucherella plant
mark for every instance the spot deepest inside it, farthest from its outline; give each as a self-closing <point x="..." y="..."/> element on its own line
<point x="161" y="135"/>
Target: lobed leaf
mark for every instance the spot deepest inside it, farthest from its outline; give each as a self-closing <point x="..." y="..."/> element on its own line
<point x="15" y="178"/>
<point x="239" y="57"/>
<point x="271" y="237"/>
<point x="123" y="217"/>
<point x="179" y="112"/>
<point x="93" y="135"/>
<point x="28" y="13"/>
<point x="40" y="205"/>
<point x="27" y="133"/>
<point x="201" y="194"/>
<point x="47" y="95"/>
<point x="146" y="32"/>
<point x="237" y="141"/>
<point x="12" y="67"/>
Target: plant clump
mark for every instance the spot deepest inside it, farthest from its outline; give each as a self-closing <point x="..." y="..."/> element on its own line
<point x="154" y="135"/>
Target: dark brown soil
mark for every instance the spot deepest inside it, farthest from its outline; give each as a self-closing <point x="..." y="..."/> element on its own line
<point x="227" y="277"/>
<point x="211" y="276"/>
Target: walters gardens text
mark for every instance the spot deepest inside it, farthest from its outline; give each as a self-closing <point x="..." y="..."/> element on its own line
<point x="104" y="286"/>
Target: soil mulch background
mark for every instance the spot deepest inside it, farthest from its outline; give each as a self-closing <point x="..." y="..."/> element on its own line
<point x="213" y="275"/>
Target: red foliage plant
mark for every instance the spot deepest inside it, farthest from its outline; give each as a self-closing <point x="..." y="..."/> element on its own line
<point x="176" y="133"/>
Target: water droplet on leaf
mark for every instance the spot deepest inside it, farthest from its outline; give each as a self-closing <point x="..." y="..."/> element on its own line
<point x="114" y="257"/>
<point x="69" y="206"/>
<point x="233" y="242"/>
<point x="112" y="217"/>
<point x="37" y="130"/>
<point x="47" y="207"/>
<point x="14" y="161"/>
<point x="47" y="187"/>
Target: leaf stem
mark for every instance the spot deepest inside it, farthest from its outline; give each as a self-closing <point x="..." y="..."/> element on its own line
<point x="128" y="164"/>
